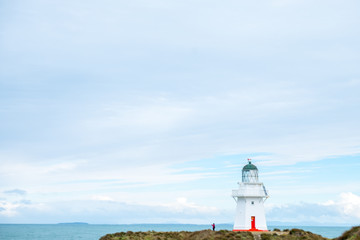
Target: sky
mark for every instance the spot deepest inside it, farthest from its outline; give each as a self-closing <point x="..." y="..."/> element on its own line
<point x="146" y="111"/>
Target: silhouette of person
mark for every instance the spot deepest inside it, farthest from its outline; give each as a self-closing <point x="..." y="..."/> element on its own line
<point x="213" y="226"/>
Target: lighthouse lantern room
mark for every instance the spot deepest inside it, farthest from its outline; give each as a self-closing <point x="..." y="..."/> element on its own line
<point x="250" y="197"/>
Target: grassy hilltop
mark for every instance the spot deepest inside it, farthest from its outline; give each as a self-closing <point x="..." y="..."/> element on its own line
<point x="352" y="234"/>
<point x="293" y="234"/>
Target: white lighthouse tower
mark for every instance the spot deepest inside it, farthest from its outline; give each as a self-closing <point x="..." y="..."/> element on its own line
<point x="250" y="197"/>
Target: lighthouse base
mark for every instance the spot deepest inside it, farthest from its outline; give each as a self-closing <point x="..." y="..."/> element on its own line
<point x="249" y="230"/>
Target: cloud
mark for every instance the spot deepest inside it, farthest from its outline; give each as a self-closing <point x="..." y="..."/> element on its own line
<point x="134" y="89"/>
<point x="104" y="211"/>
<point x="11" y="209"/>
<point x="345" y="210"/>
<point x="184" y="206"/>
<point x="102" y="198"/>
<point x="348" y="204"/>
<point x="13" y="201"/>
<point x="15" y="191"/>
<point x="192" y="103"/>
<point x="107" y="209"/>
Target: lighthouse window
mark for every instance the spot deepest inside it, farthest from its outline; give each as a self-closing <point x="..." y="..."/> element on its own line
<point x="252" y="202"/>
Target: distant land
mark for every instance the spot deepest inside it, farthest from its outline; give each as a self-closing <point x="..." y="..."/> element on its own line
<point x="83" y="223"/>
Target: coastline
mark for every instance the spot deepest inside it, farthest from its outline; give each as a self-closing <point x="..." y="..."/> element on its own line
<point x="95" y="231"/>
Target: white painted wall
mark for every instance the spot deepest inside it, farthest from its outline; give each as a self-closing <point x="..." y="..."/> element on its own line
<point x="250" y="202"/>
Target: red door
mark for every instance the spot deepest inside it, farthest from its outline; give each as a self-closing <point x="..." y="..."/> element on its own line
<point x="253" y="222"/>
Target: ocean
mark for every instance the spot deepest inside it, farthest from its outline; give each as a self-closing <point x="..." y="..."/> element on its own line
<point x="95" y="231"/>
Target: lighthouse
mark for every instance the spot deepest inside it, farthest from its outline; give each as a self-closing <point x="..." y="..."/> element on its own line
<point x="250" y="197"/>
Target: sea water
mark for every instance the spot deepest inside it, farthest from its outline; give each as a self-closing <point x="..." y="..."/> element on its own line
<point x="95" y="231"/>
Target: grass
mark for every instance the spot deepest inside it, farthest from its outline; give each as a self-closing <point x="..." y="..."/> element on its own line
<point x="352" y="234"/>
<point x="198" y="235"/>
<point x="293" y="234"/>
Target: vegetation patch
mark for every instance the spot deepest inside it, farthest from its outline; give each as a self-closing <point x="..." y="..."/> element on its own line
<point x="183" y="235"/>
<point x="277" y="234"/>
<point x="352" y="234"/>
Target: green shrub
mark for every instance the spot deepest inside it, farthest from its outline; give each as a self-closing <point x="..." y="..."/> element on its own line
<point x="297" y="232"/>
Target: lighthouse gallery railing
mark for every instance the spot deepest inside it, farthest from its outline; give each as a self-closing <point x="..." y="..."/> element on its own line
<point x="249" y="193"/>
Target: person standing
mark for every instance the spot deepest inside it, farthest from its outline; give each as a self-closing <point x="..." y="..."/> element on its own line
<point x="213" y="226"/>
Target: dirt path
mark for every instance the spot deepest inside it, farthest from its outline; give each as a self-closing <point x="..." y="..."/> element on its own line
<point x="257" y="235"/>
